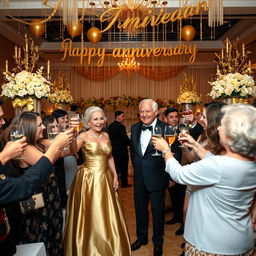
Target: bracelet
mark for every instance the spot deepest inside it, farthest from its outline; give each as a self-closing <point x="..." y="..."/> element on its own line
<point x="165" y="151"/>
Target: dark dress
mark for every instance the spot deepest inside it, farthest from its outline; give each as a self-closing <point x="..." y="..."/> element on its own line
<point x="45" y="224"/>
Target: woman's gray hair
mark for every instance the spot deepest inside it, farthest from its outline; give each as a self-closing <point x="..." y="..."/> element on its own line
<point x="240" y="126"/>
<point x="154" y="104"/>
<point x="88" y="115"/>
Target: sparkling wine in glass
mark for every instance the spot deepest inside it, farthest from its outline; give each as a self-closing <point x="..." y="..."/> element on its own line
<point x="16" y="133"/>
<point x="62" y="128"/>
<point x="52" y="131"/>
<point x="169" y="135"/>
<point x="183" y="128"/>
<point x="156" y="132"/>
<point x="74" y="122"/>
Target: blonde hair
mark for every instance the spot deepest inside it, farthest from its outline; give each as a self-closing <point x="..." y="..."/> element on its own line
<point x="88" y="114"/>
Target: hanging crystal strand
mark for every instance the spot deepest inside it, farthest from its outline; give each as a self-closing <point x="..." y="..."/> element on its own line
<point x="63" y="31"/>
<point x="180" y="30"/>
<point x="201" y="25"/>
<point x="215" y="13"/>
<point x="45" y="29"/>
<point x="60" y="30"/>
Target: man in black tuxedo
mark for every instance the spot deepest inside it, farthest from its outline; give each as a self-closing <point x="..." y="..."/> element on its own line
<point x="177" y="191"/>
<point x="120" y="142"/>
<point x="150" y="178"/>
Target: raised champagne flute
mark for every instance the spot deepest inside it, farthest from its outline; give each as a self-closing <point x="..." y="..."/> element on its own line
<point x="156" y="132"/>
<point x="16" y="133"/>
<point x="52" y="131"/>
<point x="74" y="122"/>
<point x="184" y="129"/>
<point x="170" y="135"/>
<point x="62" y="128"/>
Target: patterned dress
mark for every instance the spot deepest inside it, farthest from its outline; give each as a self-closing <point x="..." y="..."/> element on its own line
<point x="45" y="224"/>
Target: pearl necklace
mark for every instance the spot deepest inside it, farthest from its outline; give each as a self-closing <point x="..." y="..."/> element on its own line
<point x="95" y="136"/>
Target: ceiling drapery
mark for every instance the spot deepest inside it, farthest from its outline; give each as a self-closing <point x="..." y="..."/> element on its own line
<point x="156" y="73"/>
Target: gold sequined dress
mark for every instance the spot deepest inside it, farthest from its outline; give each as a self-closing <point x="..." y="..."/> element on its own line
<point x="95" y="223"/>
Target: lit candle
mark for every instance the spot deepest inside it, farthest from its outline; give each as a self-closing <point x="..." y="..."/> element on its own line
<point x="48" y="69"/>
<point x="16" y="52"/>
<point x="227" y="45"/>
<point x="243" y="50"/>
<point x="26" y="41"/>
<point x="19" y="53"/>
<point x="222" y="54"/>
<point x="6" y="66"/>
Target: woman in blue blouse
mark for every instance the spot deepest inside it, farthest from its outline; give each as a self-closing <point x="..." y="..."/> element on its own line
<point x="218" y="220"/>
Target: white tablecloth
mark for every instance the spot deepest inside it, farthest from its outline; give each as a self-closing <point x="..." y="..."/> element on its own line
<point x="34" y="249"/>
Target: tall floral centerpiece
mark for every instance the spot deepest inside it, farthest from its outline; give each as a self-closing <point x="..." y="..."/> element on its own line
<point x="24" y="86"/>
<point x="188" y="96"/>
<point x="60" y="92"/>
<point x="234" y="82"/>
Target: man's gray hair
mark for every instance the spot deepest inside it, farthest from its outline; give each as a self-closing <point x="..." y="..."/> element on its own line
<point x="240" y="126"/>
<point x="154" y="104"/>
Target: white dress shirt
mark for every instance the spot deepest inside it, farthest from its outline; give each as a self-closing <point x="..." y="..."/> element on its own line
<point x="218" y="218"/>
<point x="145" y="137"/>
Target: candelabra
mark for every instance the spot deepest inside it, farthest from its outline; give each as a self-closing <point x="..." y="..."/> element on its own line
<point x="233" y="60"/>
<point x="26" y="58"/>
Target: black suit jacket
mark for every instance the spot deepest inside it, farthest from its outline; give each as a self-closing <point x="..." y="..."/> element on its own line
<point x="147" y="168"/>
<point x="196" y="131"/>
<point x="118" y="137"/>
<point x="16" y="189"/>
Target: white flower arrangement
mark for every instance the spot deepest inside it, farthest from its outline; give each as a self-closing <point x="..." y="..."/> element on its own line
<point x="26" y="84"/>
<point x="60" y="96"/>
<point x="233" y="85"/>
<point x="188" y="92"/>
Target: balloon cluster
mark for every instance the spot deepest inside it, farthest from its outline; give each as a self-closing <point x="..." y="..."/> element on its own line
<point x="94" y="35"/>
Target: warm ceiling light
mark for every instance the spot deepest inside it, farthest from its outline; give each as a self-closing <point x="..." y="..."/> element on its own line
<point x="129" y="64"/>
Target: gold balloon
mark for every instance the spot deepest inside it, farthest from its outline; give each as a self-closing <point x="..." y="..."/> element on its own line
<point x="75" y="30"/>
<point x="37" y="27"/>
<point x="188" y="33"/>
<point x="94" y="35"/>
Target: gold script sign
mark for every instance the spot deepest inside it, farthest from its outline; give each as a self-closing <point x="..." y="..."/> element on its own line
<point x="113" y="14"/>
<point x="89" y="53"/>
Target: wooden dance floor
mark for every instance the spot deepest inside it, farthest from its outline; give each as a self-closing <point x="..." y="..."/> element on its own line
<point x="171" y="241"/>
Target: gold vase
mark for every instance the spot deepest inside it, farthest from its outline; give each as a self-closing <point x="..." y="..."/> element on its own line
<point x="235" y="100"/>
<point x="26" y="104"/>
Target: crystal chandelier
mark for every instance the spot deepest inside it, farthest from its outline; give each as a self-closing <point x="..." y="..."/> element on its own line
<point x="129" y="64"/>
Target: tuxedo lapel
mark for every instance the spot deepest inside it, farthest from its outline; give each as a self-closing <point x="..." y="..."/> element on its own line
<point x="150" y="146"/>
<point x="137" y="134"/>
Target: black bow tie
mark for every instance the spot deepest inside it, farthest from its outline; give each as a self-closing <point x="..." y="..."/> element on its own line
<point x="144" y="127"/>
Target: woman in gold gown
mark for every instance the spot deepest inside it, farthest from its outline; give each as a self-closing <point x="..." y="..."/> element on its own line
<point x="95" y="223"/>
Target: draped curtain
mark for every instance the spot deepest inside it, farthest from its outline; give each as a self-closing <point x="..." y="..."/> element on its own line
<point x="156" y="73"/>
<point x="136" y="84"/>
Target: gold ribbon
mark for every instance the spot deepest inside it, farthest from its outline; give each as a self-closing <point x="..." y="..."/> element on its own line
<point x="20" y="103"/>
